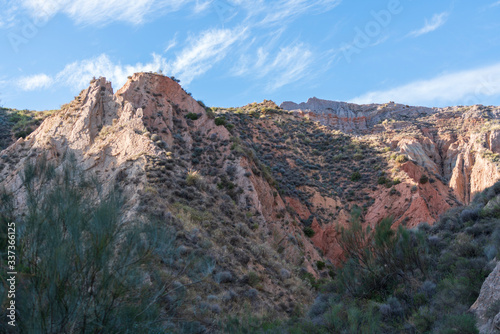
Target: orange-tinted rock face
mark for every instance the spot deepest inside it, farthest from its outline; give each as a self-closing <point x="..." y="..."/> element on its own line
<point x="143" y="139"/>
<point x="453" y="155"/>
<point x="325" y="157"/>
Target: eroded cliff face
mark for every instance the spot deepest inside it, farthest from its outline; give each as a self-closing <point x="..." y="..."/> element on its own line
<point x="148" y="138"/>
<point x="486" y="308"/>
<point x="457" y="145"/>
<point x="452" y="155"/>
<point x="350" y="117"/>
<point x="283" y="171"/>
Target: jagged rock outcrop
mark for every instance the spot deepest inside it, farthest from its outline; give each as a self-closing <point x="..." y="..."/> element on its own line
<point x="487" y="306"/>
<point x="148" y="137"/>
<point x="288" y="171"/>
<point x="458" y="144"/>
<point x="350" y="117"/>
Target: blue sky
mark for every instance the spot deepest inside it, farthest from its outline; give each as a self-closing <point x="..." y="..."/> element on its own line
<point x="234" y="52"/>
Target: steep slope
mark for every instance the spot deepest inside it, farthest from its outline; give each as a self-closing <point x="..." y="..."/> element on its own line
<point x="411" y="163"/>
<point x="260" y="191"/>
<point x="175" y="165"/>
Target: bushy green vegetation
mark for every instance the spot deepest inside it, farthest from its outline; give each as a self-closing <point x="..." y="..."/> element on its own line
<point x="81" y="268"/>
<point x="220" y="121"/>
<point x="401" y="158"/>
<point x="356" y="176"/>
<point x="421" y="280"/>
<point x="26" y="121"/>
<point x="16" y="124"/>
<point x="192" y="116"/>
<point x="309" y="232"/>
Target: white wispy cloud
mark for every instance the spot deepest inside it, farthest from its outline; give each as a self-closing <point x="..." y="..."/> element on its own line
<point x="290" y="64"/>
<point x="171" y="44"/>
<point x="437" y="21"/>
<point x="102" y="12"/>
<point x="197" y="57"/>
<point x="8" y="10"/>
<point x="203" y="52"/>
<point x="202" y="6"/>
<point x="495" y="4"/>
<point x="461" y="87"/>
<point x="33" y="82"/>
<point x="78" y="74"/>
<point x="282" y="11"/>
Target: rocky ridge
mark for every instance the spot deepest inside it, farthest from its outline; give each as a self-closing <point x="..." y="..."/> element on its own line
<point x="174" y="164"/>
<point x="272" y="185"/>
<point x="457" y="144"/>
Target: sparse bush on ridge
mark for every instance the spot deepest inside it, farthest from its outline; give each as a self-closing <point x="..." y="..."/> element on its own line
<point x="401" y="158"/>
<point x="192" y="116"/>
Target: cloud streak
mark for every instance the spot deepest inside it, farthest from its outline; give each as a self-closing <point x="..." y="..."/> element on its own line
<point x="461" y="87"/>
<point x="78" y="74"/>
<point x="282" y="11"/>
<point x="92" y="12"/>
<point x="194" y="60"/>
<point x="102" y="12"/>
<point x="34" y="82"/>
<point x="205" y="51"/>
<point x="437" y="21"/>
<point x="279" y="64"/>
<point x="290" y="64"/>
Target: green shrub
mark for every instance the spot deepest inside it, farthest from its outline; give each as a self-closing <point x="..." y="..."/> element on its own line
<point x="192" y="116"/>
<point x="220" y="121"/>
<point x="320" y="265"/>
<point x="401" y="158"/>
<point x="382" y="180"/>
<point x="358" y="156"/>
<point x="356" y="176"/>
<point x="309" y="232"/>
<point x="253" y="278"/>
<point x="210" y="113"/>
<point x="423" y="319"/>
<point x="424" y="179"/>
<point x="194" y="177"/>
<point x="82" y="267"/>
<point x="460" y="324"/>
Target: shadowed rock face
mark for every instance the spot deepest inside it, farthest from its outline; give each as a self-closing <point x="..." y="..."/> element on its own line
<point x="489" y="323"/>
